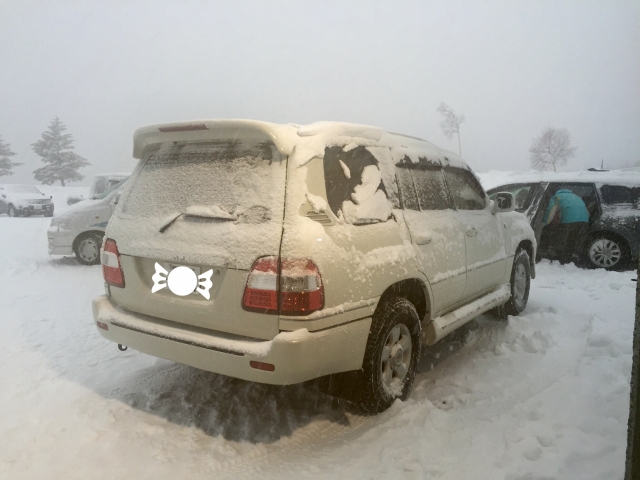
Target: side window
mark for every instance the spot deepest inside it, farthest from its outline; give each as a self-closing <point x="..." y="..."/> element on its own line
<point x="466" y="190"/>
<point x="355" y="190"/>
<point x="586" y="192"/>
<point x="620" y="195"/>
<point x="407" y="189"/>
<point x="431" y="189"/>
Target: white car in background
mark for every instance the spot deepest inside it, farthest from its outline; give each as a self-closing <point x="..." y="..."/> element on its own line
<point x="24" y="200"/>
<point x="79" y="230"/>
<point x="101" y="183"/>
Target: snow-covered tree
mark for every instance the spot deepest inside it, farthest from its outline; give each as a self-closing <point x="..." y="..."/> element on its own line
<point x="450" y="123"/>
<point x="6" y="165"/>
<point x="551" y="149"/>
<point x="56" y="149"/>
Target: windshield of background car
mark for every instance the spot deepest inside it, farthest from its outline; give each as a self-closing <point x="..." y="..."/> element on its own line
<point x="522" y="194"/>
<point x="244" y="179"/>
<point x="620" y="195"/>
<point x="113" y="188"/>
<point x="98" y="187"/>
<point x="23" y="189"/>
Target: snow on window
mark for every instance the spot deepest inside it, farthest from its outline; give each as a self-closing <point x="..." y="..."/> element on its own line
<point x="361" y="196"/>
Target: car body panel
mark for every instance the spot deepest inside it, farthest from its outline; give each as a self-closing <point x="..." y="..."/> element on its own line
<point x="83" y="217"/>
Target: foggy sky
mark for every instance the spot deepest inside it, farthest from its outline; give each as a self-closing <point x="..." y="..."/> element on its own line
<point x="513" y="68"/>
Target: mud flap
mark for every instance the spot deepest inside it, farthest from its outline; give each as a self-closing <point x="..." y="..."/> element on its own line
<point x="346" y="385"/>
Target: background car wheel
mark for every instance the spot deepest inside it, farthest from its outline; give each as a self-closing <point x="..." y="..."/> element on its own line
<point x="520" y="285"/>
<point x="391" y="356"/>
<point x="607" y="251"/>
<point x="48" y="214"/>
<point x="87" y="248"/>
<point x="12" y="212"/>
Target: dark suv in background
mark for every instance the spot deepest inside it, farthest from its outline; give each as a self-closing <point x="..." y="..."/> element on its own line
<point x="613" y="202"/>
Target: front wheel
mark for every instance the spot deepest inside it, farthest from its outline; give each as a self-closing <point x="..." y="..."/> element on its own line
<point x="12" y="212"/>
<point x="87" y="249"/>
<point x="520" y="285"/>
<point x="606" y="251"/>
<point x="391" y="356"/>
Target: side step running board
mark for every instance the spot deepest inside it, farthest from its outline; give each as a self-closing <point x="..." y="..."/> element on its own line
<point x="442" y="326"/>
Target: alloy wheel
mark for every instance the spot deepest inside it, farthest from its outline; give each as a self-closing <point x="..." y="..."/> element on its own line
<point x="89" y="250"/>
<point x="605" y="253"/>
<point x="396" y="357"/>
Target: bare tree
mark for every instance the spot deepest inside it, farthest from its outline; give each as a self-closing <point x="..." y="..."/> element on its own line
<point x="551" y="149"/>
<point x="450" y="123"/>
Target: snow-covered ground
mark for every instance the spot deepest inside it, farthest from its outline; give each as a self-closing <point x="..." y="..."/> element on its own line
<point x="543" y="396"/>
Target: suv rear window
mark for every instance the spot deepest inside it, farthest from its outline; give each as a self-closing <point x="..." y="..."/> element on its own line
<point x="240" y="178"/>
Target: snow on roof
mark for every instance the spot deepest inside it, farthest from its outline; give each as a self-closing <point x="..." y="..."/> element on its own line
<point x="495" y="178"/>
<point x="308" y="140"/>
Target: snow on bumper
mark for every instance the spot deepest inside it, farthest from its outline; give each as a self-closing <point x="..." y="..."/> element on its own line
<point x="297" y="356"/>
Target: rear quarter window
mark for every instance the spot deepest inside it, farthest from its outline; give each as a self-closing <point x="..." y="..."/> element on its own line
<point x="354" y="186"/>
<point x="620" y="195"/>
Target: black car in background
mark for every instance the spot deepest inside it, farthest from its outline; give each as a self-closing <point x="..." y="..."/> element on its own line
<point x="613" y="201"/>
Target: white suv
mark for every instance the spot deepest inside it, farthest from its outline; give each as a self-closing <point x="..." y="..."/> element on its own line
<point x="285" y="253"/>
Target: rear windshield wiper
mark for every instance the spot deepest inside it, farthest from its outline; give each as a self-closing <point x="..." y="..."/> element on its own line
<point x="197" y="212"/>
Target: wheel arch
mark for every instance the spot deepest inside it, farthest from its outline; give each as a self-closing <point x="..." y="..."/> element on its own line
<point x="527" y="246"/>
<point x="84" y="234"/>
<point x="415" y="291"/>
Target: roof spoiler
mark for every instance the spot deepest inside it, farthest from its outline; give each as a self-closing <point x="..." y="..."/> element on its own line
<point x="204" y="130"/>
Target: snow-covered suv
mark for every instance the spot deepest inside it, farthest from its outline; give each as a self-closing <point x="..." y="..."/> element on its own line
<point x="285" y="253"/>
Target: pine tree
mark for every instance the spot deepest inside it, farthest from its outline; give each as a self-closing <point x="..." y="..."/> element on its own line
<point x="6" y="165"/>
<point x="56" y="149"/>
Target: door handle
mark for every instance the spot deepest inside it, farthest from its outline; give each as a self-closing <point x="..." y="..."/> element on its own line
<point x="423" y="239"/>
<point x="471" y="231"/>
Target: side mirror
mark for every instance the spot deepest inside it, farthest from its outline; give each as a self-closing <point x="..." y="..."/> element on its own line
<point x="504" y="202"/>
<point x="50" y="197"/>
<point x="116" y="199"/>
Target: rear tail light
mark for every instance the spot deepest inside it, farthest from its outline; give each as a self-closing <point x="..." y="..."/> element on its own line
<point x="287" y="287"/>
<point x="111" y="268"/>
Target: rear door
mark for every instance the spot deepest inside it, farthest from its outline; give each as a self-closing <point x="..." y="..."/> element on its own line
<point x="439" y="237"/>
<point x="214" y="207"/>
<point x="486" y="256"/>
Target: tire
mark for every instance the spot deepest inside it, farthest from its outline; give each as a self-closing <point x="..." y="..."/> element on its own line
<point x="607" y="251"/>
<point x="87" y="248"/>
<point x="12" y="212"/>
<point x="48" y="214"/>
<point x="391" y="356"/>
<point x="520" y="283"/>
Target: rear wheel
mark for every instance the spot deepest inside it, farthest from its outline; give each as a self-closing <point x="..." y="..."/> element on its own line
<point x="12" y="212"/>
<point x="607" y="251"/>
<point x="391" y="356"/>
<point x="87" y="248"/>
<point x="520" y="285"/>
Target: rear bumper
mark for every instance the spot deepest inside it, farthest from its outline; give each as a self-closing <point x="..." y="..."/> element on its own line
<point x="297" y="356"/>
